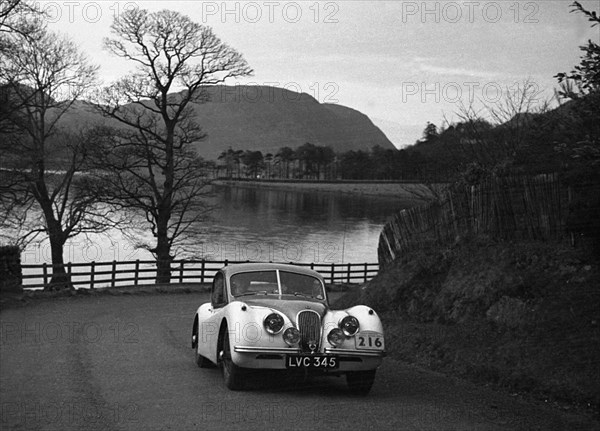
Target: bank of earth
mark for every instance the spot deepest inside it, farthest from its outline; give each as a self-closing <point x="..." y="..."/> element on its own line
<point x="523" y="316"/>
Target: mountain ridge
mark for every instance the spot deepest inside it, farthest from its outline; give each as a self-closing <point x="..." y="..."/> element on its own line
<point x="263" y="118"/>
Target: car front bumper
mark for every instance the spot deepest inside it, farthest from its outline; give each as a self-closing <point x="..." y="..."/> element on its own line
<point x="275" y="358"/>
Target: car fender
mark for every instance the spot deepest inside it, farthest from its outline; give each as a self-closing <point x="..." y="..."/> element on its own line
<point x="245" y="327"/>
<point x="368" y="320"/>
<point x="204" y="312"/>
<point x="208" y="321"/>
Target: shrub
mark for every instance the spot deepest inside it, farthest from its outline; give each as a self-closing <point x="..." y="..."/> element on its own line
<point x="11" y="277"/>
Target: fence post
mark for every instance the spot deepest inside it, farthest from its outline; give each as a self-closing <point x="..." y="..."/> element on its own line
<point x="92" y="275"/>
<point x="114" y="273"/>
<point x="202" y="271"/>
<point x="45" y="273"/>
<point x="569" y="201"/>
<point x="136" y="275"/>
<point x="332" y="272"/>
<point x="365" y="272"/>
<point x="181" y="272"/>
<point x="348" y="279"/>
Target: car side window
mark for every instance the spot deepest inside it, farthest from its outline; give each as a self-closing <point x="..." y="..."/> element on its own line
<point x="218" y="291"/>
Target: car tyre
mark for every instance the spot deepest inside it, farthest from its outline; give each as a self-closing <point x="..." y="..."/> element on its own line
<point x="360" y="382"/>
<point x="201" y="361"/>
<point x="232" y="374"/>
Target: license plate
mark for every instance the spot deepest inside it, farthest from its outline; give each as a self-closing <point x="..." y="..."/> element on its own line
<point x="311" y="361"/>
<point x="369" y="340"/>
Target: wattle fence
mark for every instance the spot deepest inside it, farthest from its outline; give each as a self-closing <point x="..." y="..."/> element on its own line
<point x="517" y="207"/>
<point x="132" y="273"/>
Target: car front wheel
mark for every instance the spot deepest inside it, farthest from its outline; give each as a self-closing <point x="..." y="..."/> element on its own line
<point x="201" y="361"/>
<point x="232" y="374"/>
<point x="360" y="382"/>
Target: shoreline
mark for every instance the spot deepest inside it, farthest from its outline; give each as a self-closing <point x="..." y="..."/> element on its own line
<point x="405" y="191"/>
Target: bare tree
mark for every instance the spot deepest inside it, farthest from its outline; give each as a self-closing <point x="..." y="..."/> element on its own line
<point x="42" y="191"/>
<point x="18" y="19"/>
<point x="493" y="134"/>
<point x="156" y="171"/>
<point x="21" y="17"/>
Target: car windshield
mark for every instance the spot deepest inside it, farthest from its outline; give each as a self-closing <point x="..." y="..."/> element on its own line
<point x="267" y="283"/>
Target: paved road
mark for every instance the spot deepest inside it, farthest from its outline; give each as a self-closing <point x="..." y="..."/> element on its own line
<point x="124" y="362"/>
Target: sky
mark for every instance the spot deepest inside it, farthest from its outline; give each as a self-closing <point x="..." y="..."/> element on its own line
<point x="402" y="63"/>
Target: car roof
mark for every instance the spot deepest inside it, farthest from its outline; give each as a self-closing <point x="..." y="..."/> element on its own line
<point x="236" y="268"/>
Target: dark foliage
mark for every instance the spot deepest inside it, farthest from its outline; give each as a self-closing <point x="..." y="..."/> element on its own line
<point x="10" y="269"/>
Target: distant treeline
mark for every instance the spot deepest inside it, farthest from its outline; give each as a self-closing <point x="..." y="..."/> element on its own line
<point x="313" y="162"/>
<point x="544" y="141"/>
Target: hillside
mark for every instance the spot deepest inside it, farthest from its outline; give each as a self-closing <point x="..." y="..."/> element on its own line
<point x="527" y="142"/>
<point x="519" y="315"/>
<point x="266" y="119"/>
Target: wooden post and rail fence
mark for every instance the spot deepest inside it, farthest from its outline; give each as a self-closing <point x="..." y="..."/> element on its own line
<point x="133" y="273"/>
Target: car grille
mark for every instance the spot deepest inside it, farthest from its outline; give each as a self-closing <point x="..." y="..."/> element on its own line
<point x="309" y="325"/>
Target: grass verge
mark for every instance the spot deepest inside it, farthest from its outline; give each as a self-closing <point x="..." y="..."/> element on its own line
<point x="523" y="316"/>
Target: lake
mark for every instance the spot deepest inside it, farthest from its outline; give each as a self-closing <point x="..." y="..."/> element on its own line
<point x="262" y="224"/>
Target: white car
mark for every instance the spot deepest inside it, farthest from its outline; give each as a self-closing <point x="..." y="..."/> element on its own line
<point x="277" y="317"/>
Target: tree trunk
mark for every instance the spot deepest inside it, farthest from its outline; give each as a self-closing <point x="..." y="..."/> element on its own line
<point x="163" y="250"/>
<point x="60" y="279"/>
<point x="163" y="263"/>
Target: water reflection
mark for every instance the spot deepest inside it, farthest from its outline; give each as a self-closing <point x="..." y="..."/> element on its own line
<point x="263" y="225"/>
<point x="283" y="225"/>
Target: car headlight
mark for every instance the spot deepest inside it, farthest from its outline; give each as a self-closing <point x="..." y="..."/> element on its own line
<point x="349" y="325"/>
<point x="273" y="323"/>
<point x="336" y="337"/>
<point x="291" y="336"/>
